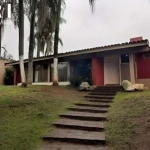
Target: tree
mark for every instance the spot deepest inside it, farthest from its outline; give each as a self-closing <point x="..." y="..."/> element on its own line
<point x="49" y="22"/>
<point x="56" y="39"/>
<point x="45" y="34"/>
<point x="44" y="28"/>
<point x="21" y="41"/>
<point x="6" y="56"/>
<point x="3" y="18"/>
<point x="32" y="41"/>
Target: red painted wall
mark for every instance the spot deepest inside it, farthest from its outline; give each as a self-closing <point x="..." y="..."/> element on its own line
<point x="17" y="76"/>
<point x="98" y="71"/>
<point x="143" y="66"/>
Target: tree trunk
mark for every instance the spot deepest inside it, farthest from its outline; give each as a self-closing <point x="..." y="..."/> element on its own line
<point x="21" y="41"/>
<point x="38" y="47"/>
<point x="56" y="40"/>
<point x="31" y="43"/>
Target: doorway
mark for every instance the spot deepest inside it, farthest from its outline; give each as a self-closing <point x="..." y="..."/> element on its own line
<point x="125" y="67"/>
<point x="111" y="70"/>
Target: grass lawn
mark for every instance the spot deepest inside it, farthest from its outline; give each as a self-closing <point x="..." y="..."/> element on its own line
<point x="129" y="121"/>
<point x="27" y="114"/>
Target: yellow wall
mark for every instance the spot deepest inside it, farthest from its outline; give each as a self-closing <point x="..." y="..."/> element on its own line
<point x="2" y="70"/>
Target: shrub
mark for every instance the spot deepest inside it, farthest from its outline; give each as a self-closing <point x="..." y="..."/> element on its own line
<point x="9" y="76"/>
<point x="77" y="80"/>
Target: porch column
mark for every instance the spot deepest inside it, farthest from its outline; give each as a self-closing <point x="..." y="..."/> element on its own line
<point x="48" y="72"/>
<point x="68" y="70"/>
<point x="132" y="71"/>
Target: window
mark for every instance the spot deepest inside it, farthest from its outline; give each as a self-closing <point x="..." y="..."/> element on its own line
<point x="125" y="58"/>
<point x="62" y="71"/>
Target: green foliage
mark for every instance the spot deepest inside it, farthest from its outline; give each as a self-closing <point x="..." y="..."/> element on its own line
<point x="75" y="81"/>
<point x="81" y="72"/>
<point x="27" y="114"/>
<point x="9" y="76"/>
<point x="123" y="118"/>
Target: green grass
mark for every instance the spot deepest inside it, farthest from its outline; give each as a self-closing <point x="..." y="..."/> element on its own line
<point x="123" y="116"/>
<point x="27" y="114"/>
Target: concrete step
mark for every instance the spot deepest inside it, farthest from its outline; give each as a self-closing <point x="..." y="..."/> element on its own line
<point x="106" y="89"/>
<point x="79" y="124"/>
<point x="109" y="87"/>
<point x="89" y="109"/>
<point x="99" y="100"/>
<point x="85" y="116"/>
<point x="76" y="136"/>
<point x="99" y="96"/>
<point x="94" y="104"/>
<point x="57" y="145"/>
<point x="102" y="93"/>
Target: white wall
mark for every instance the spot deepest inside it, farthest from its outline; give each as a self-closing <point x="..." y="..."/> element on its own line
<point x="111" y="70"/>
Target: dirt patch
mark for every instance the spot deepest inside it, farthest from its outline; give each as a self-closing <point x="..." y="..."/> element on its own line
<point x="62" y="90"/>
<point x="141" y="140"/>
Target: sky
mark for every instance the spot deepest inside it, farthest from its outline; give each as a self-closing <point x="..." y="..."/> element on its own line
<point x="112" y="22"/>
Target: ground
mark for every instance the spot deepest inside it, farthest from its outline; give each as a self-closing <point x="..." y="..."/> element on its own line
<point x="129" y="122"/>
<point x="27" y="114"/>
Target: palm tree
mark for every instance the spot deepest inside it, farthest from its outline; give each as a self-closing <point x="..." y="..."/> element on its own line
<point x="21" y="41"/>
<point x="50" y="23"/>
<point x="56" y="39"/>
<point x="3" y="18"/>
<point x="45" y="36"/>
<point x="58" y="15"/>
<point x="44" y="28"/>
<point x="32" y="41"/>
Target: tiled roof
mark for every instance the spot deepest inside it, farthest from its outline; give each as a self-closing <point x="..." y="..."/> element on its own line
<point x="106" y="46"/>
<point x="101" y="49"/>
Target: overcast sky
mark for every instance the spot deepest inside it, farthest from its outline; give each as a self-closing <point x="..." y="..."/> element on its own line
<point x="113" y="21"/>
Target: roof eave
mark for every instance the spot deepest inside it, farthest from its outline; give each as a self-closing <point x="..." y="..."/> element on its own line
<point x="86" y="51"/>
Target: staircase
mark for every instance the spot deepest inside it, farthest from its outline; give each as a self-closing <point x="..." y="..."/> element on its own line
<point x="84" y="123"/>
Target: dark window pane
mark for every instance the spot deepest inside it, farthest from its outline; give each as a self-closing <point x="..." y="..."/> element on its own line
<point x="125" y="58"/>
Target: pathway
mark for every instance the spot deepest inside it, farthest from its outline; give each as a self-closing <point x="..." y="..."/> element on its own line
<point x="82" y="127"/>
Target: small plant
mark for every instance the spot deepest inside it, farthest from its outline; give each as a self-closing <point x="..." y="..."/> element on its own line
<point x="75" y="81"/>
<point x="9" y="76"/>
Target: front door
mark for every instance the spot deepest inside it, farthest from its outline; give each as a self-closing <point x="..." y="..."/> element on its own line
<point x="111" y="70"/>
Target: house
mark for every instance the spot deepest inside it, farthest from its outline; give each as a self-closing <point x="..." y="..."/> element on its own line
<point x="109" y="64"/>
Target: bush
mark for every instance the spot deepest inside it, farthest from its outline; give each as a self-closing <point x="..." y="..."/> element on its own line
<point x="9" y="76"/>
<point x="77" y="80"/>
